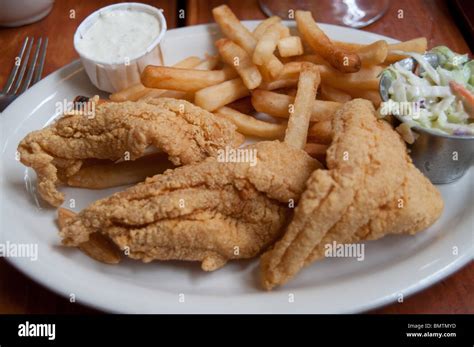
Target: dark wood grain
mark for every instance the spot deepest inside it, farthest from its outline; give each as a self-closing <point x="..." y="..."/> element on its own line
<point x="199" y="12"/>
<point x="430" y="18"/>
<point x="19" y="294"/>
<point x="59" y="27"/>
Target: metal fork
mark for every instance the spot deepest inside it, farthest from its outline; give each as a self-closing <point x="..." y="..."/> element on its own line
<point x="17" y="82"/>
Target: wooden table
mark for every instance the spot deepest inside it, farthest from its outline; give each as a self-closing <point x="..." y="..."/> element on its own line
<point x="18" y="294"/>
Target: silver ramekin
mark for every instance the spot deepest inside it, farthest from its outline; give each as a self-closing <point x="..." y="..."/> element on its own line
<point x="442" y="158"/>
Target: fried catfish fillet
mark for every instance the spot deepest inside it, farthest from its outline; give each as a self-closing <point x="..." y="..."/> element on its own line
<point x="371" y="188"/>
<point x="210" y="211"/>
<point x="187" y="133"/>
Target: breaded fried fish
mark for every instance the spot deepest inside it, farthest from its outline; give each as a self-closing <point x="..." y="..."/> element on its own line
<point x="358" y="197"/>
<point x="187" y="133"/>
<point x="210" y="211"/>
<point x="215" y="210"/>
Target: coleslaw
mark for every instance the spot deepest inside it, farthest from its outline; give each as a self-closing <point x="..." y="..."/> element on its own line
<point x="443" y="96"/>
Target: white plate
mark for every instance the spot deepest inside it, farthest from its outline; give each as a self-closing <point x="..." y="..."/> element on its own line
<point x="393" y="266"/>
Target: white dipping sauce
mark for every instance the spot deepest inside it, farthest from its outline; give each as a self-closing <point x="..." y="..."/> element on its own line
<point x="119" y="35"/>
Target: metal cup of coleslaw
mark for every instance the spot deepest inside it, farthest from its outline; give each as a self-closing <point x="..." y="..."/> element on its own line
<point x="443" y="158"/>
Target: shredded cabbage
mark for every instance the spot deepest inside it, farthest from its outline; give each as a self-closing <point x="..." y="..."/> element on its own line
<point x="440" y="108"/>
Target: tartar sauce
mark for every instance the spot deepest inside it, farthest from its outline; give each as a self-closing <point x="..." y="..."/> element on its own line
<point x="119" y="35"/>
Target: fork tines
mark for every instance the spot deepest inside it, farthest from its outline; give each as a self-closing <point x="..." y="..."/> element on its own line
<point x="16" y="83"/>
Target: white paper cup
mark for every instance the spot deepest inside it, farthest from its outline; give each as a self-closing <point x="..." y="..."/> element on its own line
<point x="14" y="13"/>
<point x="117" y="76"/>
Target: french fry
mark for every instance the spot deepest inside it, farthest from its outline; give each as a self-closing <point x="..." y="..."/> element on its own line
<point x="132" y="93"/>
<point x="214" y="97"/>
<point x="272" y="70"/>
<point x="371" y="95"/>
<point x="418" y="45"/>
<point x="316" y="150"/>
<point x="298" y="122"/>
<point x="332" y="94"/>
<point x="291" y="70"/>
<point x="237" y="57"/>
<point x="278" y="105"/>
<point x="367" y="72"/>
<point x="290" y="46"/>
<point x="176" y="94"/>
<point x="373" y="54"/>
<point x="406" y="133"/>
<point x="107" y="175"/>
<point x="354" y="47"/>
<point x="311" y="58"/>
<point x="233" y="29"/>
<point x="267" y="44"/>
<point x="310" y="32"/>
<point x="152" y="93"/>
<point x="138" y="91"/>
<point x="251" y="126"/>
<point x="189" y="62"/>
<point x="269" y="65"/>
<point x="209" y="63"/>
<point x="260" y="29"/>
<point x="243" y="105"/>
<point x="279" y="83"/>
<point x="274" y="67"/>
<point x="266" y="75"/>
<point x="349" y="46"/>
<point x="98" y="247"/>
<point x="284" y="31"/>
<point x="365" y="79"/>
<point x="321" y="132"/>
<point x="186" y="80"/>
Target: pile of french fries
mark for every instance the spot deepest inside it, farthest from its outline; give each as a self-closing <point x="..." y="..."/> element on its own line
<point x="257" y="72"/>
